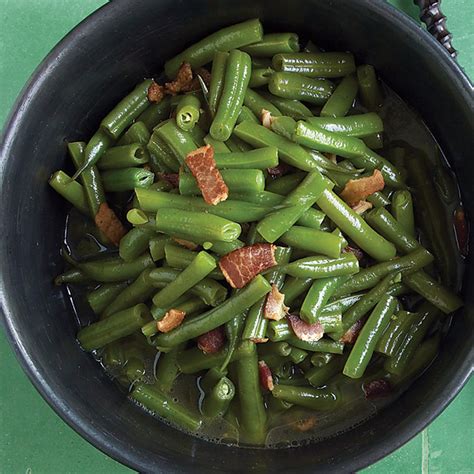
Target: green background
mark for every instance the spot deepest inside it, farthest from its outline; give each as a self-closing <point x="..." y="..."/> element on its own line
<point x="33" y="439"/>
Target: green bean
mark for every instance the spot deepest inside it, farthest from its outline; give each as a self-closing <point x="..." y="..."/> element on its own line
<point x="123" y="157"/>
<point x="323" y="345"/>
<point x="252" y="409"/>
<point x="261" y="62"/>
<point x="370" y="334"/>
<point x="273" y="43"/>
<point x="115" y="270"/>
<point x="282" y="349"/>
<point x="371" y="160"/>
<point x="126" y="179"/>
<point x="319" y="376"/>
<point x="435" y="293"/>
<point x="260" y="158"/>
<point x="383" y="222"/>
<point x="301" y="199"/>
<point x="137" y="133"/>
<point x="352" y="126"/>
<point x="378" y="199"/>
<point x="198" y="269"/>
<point x="311" y="218"/>
<point x="425" y="317"/>
<point x="296" y="86"/>
<point x="119" y="325"/>
<point x="312" y="240"/>
<point x="217" y="401"/>
<point x="256" y="103"/>
<point x="223" y="248"/>
<point x="237" y="180"/>
<point x="198" y="134"/>
<point x="236" y="80"/>
<point x="155" y="114"/>
<point x="284" y="126"/>
<point x="342" y="304"/>
<point x="247" y="114"/>
<point x="285" y="184"/>
<point x="206" y="322"/>
<point x="210" y="379"/>
<point x="167" y="370"/>
<point x="179" y="141"/>
<point x="134" y="243"/>
<point x="200" y="226"/>
<point x="402" y="210"/>
<point x="369" y="88"/>
<point x="101" y="297"/>
<point x="74" y="275"/>
<point x="237" y="211"/>
<point x="314" y="399"/>
<point x="322" y="267"/>
<point x="320" y="359"/>
<point x="279" y="331"/>
<point x="260" y="77"/>
<point x="202" y="52"/>
<point x="157" y="247"/>
<point x="70" y="190"/>
<point x="218" y="146"/>
<point x="369" y="277"/>
<point x="237" y="145"/>
<point x="342" y="98"/>
<point x="152" y="398"/>
<point x="374" y="141"/>
<point x="297" y="356"/>
<point x="162" y="158"/>
<point x="289" y="107"/>
<point x="295" y="287"/>
<point x="217" y="79"/>
<point x="137" y="292"/>
<point x="352" y="225"/>
<point x="188" y="112"/>
<point x="317" y="297"/>
<point x="396" y="331"/>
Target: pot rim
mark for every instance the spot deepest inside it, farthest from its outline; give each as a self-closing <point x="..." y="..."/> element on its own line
<point x="93" y="434"/>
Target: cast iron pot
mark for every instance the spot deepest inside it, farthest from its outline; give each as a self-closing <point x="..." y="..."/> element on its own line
<point x="80" y="80"/>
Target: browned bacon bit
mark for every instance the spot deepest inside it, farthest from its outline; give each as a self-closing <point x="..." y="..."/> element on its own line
<point x="259" y="340"/>
<point x="186" y="243"/>
<point x="305" y="424"/>
<point x="275" y="305"/>
<point x="266" y="378"/>
<point x="362" y="206"/>
<point x="375" y="389"/>
<point x="155" y="92"/>
<point x="195" y="85"/>
<point x="351" y="334"/>
<point x="172" y="319"/>
<point x="357" y="190"/>
<point x="212" y="341"/>
<point x="170" y="178"/>
<point x="278" y="171"/>
<point x="241" y="265"/>
<point x="355" y="250"/>
<point x="209" y="179"/>
<point x="305" y="331"/>
<point x="109" y="224"/>
<point x="266" y="118"/>
<point x="462" y="231"/>
<point x="183" y="79"/>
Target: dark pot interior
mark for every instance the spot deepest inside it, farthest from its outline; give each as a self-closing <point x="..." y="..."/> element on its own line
<point x="73" y="89"/>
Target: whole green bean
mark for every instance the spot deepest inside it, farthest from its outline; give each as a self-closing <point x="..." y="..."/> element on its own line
<point x="312" y="240"/>
<point x="434" y="292"/>
<point x="370" y="334"/>
<point x="342" y="98"/>
<point x="217" y="79"/>
<point x="296" y="86"/>
<point x="323" y="267"/>
<point x="402" y="210"/>
<point x="352" y="126"/>
<point x="314" y="399"/>
<point x="179" y="141"/>
<point x="236" y="80"/>
<point x="196" y="226"/>
<point x="352" y="225"/>
<point x="256" y="103"/>
<point x="189" y="329"/>
<point x="289" y="107"/>
<point x="137" y="133"/>
<point x="202" y="52"/>
<point x="123" y="157"/>
<point x="119" y="325"/>
<point x="274" y="43"/>
<point x="101" y="297"/>
<point x="134" y="243"/>
<point x="152" y="398"/>
<point x="260" y="77"/>
<point x="127" y="179"/>
<point x="369" y="88"/>
<point x="217" y="401"/>
<point x="70" y="190"/>
<point x="396" y="331"/>
<point x="319" y="376"/>
<point x="260" y="158"/>
<point x="188" y="112"/>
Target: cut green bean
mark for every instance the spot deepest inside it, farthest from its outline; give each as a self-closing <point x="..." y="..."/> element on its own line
<point x="218" y="146"/>
<point x="134" y="243"/>
<point x="247" y="114"/>
<point x="179" y="141"/>
<point x="162" y="159"/>
<point x="273" y="43"/>
<point x="369" y="88"/>
<point x="217" y="401"/>
<point x="396" y="331"/>
<point x="314" y="399"/>
<point x="155" y="114"/>
<point x="261" y="159"/>
<point x="217" y="79"/>
<point x="188" y="112"/>
<point x="101" y="297"/>
<point x="319" y="376"/>
<point x="167" y="370"/>
<point x="342" y="98"/>
<point x="70" y="190"/>
<point x="256" y="103"/>
<point x="323" y="345"/>
<point x="260" y="77"/>
<point x="402" y="210"/>
<point x="289" y="107"/>
<point x="127" y="179"/>
<point x="352" y="126"/>
<point x="137" y="133"/>
<point x="123" y="156"/>
<point x="323" y="267"/>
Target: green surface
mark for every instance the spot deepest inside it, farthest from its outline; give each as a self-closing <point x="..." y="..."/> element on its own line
<point x="33" y="439"/>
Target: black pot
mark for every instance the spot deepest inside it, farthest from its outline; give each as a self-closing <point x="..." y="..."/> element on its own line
<point x="80" y="80"/>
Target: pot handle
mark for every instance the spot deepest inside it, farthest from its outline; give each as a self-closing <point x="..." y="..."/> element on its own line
<point x="435" y="21"/>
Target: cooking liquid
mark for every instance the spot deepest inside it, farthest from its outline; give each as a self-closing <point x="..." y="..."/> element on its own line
<point x="295" y="426"/>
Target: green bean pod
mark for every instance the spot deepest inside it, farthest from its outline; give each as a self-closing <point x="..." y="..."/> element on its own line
<point x="342" y="98"/>
<point x="289" y="107"/>
<point x="247" y="114"/>
<point x="127" y="179"/>
<point x="217" y="401"/>
<point x="137" y="133"/>
<point x="101" y="297"/>
<point x="123" y="156"/>
<point x="256" y="103"/>
<point x="157" y="247"/>
<point x="70" y="190"/>
<point x="396" y="331"/>
<point x="260" y="77"/>
<point x="155" y="114"/>
<point x="134" y="243"/>
<point x="352" y="126"/>
<point x="260" y="158"/>
<point x="378" y="199"/>
<point x="402" y="210"/>
<point x="162" y="159"/>
<point x="218" y="146"/>
<point x="167" y="370"/>
<point x="294" y="287"/>
<point x="314" y="399"/>
<point x="321" y="359"/>
<point x="374" y="141"/>
<point x="219" y="63"/>
<point x="179" y="141"/>
<point x="319" y="376"/>
<point x="323" y="345"/>
<point x="273" y="43"/>
<point x="369" y="88"/>
<point x="323" y="267"/>
<point x="188" y="112"/>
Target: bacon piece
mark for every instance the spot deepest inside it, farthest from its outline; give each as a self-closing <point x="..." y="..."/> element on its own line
<point x="462" y="231"/>
<point x="357" y="190"/>
<point x="362" y="206"/>
<point x="305" y="331"/>
<point x="209" y="179"/>
<point x="278" y="171"/>
<point x="266" y="118"/>
<point x="183" y="79"/>
<point x="172" y="319"/>
<point x="170" y="178"/>
<point x="109" y="224"/>
<point x="375" y="389"/>
<point x="155" y="92"/>
<point x="186" y="243"/>
<point x="195" y="85"/>
<point x="212" y="341"/>
<point x="266" y="378"/>
<point x="275" y="305"/>
<point x="259" y="340"/>
<point x="305" y="424"/>
<point x="241" y="265"/>
<point x="351" y="334"/>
